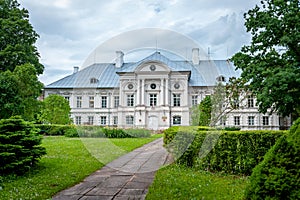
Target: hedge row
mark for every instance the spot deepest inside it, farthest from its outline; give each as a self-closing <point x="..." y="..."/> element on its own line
<point x="236" y="152"/>
<point x="91" y="131"/>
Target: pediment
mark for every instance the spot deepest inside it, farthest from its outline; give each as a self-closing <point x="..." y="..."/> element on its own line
<point x="152" y="67"/>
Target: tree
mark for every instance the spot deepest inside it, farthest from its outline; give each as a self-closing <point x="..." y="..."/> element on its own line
<point x="9" y="95"/>
<point x="30" y="88"/>
<point x="19" y="92"/>
<point x="278" y="175"/>
<point x="56" y="110"/>
<point x="17" y="38"/>
<point x="19" y="145"/>
<point x="271" y="63"/>
<point x="205" y="108"/>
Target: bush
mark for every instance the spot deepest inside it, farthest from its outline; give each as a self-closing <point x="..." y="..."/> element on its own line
<point x="53" y="129"/>
<point x="232" y="128"/>
<point x="19" y="145"/>
<point x="236" y="152"/>
<point x="278" y="175"/>
<point x="97" y="131"/>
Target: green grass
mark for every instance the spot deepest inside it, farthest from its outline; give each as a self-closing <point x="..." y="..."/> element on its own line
<point x="68" y="161"/>
<point x="178" y="182"/>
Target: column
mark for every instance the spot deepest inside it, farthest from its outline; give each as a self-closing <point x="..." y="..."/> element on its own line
<point x="167" y="92"/>
<point x="138" y="93"/>
<point x="161" y="99"/>
<point x="143" y="92"/>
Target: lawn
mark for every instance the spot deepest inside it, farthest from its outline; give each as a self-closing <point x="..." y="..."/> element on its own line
<point x="178" y="182"/>
<point x="68" y="161"/>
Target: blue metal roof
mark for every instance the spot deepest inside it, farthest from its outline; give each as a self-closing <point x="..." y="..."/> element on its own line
<point x="202" y="74"/>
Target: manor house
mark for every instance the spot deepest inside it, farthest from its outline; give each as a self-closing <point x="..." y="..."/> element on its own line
<point x="154" y="93"/>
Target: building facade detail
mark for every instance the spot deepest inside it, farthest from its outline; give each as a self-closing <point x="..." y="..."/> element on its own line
<point x="153" y="93"/>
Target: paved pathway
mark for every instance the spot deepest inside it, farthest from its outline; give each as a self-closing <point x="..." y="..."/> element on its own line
<point x="127" y="177"/>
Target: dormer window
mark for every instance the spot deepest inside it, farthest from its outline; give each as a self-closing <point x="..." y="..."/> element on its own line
<point x="93" y="80"/>
<point x="221" y="78"/>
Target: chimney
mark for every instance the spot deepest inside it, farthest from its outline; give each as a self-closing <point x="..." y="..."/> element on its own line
<point x="119" y="59"/>
<point x="195" y="56"/>
<point x="76" y="69"/>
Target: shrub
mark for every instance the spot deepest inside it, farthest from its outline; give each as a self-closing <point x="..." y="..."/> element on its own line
<point x="278" y="175"/>
<point x="19" y="145"/>
<point x="138" y="133"/>
<point x="232" y="128"/>
<point x="96" y="131"/>
<point x="236" y="152"/>
<point x="53" y="129"/>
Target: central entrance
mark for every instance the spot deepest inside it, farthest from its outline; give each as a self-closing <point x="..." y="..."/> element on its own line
<point x="153" y="122"/>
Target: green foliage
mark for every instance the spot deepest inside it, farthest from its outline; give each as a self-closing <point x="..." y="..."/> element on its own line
<point x="53" y="129"/>
<point x="20" y="90"/>
<point x="270" y="64"/>
<point x="232" y="128"/>
<point x="236" y="152"/>
<point x="56" y="110"/>
<point x="9" y="98"/>
<point x="19" y="145"/>
<point x="17" y="38"/>
<point x="205" y="108"/>
<point x="179" y="182"/>
<point x="30" y="88"/>
<point x="278" y="175"/>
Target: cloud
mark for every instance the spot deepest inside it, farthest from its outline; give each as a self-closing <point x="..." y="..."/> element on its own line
<point x="71" y="29"/>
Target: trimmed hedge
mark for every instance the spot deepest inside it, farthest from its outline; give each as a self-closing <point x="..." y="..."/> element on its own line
<point x="236" y="152"/>
<point x="278" y="175"/>
<point x="19" y="145"/>
<point x="53" y="129"/>
<point x="91" y="131"/>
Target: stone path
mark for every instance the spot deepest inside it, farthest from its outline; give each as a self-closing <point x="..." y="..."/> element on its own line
<point x="127" y="177"/>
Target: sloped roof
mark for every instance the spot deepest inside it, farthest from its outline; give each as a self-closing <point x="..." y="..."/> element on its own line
<point x="202" y="74"/>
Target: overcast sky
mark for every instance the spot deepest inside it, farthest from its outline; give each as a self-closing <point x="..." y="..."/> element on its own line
<point x="71" y="29"/>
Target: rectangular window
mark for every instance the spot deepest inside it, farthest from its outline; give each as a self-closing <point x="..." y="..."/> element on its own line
<point x="103" y="120"/>
<point x="177" y="120"/>
<point x="223" y="121"/>
<point x="78" y="120"/>
<point x="250" y="102"/>
<point x="265" y="120"/>
<point x="194" y="100"/>
<point x="79" y="102"/>
<point x="237" y="120"/>
<point x="176" y="99"/>
<point x="91" y="102"/>
<point x="67" y="98"/>
<point x="116" y="101"/>
<point x="104" y="102"/>
<point x="153" y="99"/>
<point x="251" y="120"/>
<point x="115" y="120"/>
<point x="129" y="120"/>
<point x="235" y="103"/>
<point x="91" y="120"/>
<point x="130" y="100"/>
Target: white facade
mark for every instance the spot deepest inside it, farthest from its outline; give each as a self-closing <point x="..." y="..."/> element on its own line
<point x="155" y="93"/>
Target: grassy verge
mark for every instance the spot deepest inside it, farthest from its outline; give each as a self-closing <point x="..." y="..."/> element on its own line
<point x="67" y="162"/>
<point x="178" y="182"/>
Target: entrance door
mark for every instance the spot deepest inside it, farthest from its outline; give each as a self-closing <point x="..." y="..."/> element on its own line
<point x="153" y="122"/>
